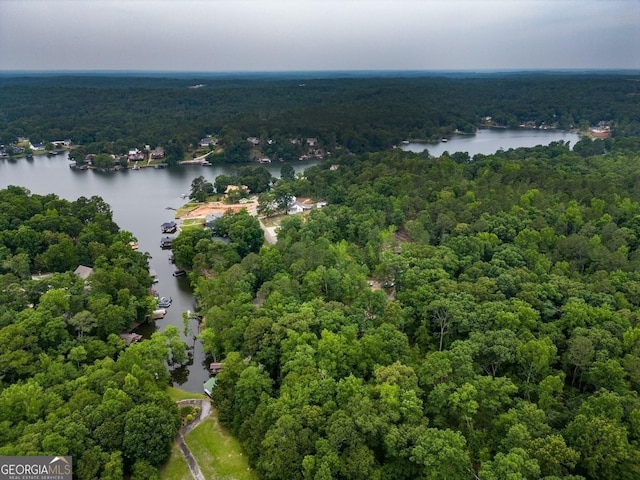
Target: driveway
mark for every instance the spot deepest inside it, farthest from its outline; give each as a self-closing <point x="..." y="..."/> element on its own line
<point x="205" y="410"/>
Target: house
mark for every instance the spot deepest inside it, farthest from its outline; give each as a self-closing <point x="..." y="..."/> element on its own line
<point x="157" y="153"/>
<point x="215" y="368"/>
<point x="169" y="227"/>
<point x="207" y="141"/>
<point x="37" y="147"/>
<point x="135" y="155"/>
<point x="211" y="219"/>
<point x="83" y="271"/>
<point x="300" y="206"/>
<point x="312" y="142"/>
<point x="254" y="141"/>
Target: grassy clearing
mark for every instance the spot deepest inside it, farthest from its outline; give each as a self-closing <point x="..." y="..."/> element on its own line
<point x="192" y="223"/>
<point x="176" y="467"/>
<point x="218" y="453"/>
<point x="177" y="394"/>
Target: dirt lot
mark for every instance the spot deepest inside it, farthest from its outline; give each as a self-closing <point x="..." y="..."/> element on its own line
<point x="202" y="211"/>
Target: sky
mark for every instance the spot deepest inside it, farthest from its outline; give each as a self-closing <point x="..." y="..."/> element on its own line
<point x="303" y="35"/>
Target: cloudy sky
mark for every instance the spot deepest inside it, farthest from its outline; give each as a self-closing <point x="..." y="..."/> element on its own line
<point x="276" y="35"/>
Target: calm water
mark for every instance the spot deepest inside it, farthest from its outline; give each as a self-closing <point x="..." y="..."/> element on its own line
<point x="139" y="201"/>
<point x="489" y="141"/>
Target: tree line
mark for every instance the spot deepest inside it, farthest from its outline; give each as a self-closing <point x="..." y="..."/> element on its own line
<point x="113" y="114"/>
<point x="68" y="385"/>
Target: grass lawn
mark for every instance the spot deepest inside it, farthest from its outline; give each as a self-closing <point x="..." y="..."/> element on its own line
<point x="176" y="467"/>
<point x="177" y="394"/>
<point x="193" y="222"/>
<point x="218" y="453"/>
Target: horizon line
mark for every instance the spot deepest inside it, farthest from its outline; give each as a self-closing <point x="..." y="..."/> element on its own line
<point x="372" y="70"/>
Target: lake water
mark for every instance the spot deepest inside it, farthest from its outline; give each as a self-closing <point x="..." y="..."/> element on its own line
<point x="488" y="141"/>
<point x="139" y="201"/>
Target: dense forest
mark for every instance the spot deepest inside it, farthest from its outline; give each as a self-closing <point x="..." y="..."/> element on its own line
<point x="454" y="317"/>
<point x="440" y="318"/>
<point x="112" y="114"/>
<point x="68" y="386"/>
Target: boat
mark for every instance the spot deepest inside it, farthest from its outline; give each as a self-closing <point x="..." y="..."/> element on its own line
<point x="179" y="273"/>
<point x="169" y="227"/>
<point x="165" y="242"/>
<point x="159" y="313"/>
<point x="183" y="195"/>
<point x="165" y="302"/>
<point x="444" y="140"/>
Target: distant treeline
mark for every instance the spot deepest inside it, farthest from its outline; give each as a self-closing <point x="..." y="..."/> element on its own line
<point x="112" y="114"/>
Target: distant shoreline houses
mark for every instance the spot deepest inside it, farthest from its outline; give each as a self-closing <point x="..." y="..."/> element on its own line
<point x="264" y="150"/>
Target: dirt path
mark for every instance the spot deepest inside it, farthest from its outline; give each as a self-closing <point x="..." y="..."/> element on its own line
<point x="269" y="234"/>
<point x="205" y="410"/>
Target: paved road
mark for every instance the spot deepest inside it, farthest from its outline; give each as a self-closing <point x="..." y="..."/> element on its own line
<point x="205" y="410"/>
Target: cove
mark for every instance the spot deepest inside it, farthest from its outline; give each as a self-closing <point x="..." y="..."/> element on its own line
<point x="489" y="141"/>
<point x="141" y="201"/>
